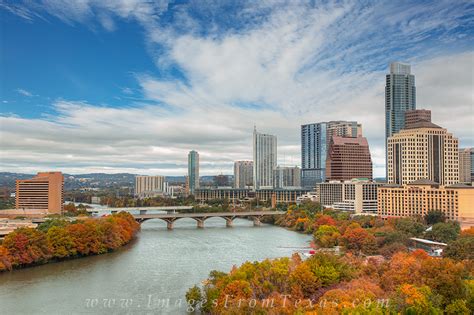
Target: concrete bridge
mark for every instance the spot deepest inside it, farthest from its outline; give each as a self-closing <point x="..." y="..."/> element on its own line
<point x="142" y="210"/>
<point x="229" y="217"/>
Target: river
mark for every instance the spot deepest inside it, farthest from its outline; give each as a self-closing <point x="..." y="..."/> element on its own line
<point x="141" y="277"/>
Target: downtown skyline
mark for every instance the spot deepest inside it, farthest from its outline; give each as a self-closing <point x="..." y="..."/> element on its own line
<point x="143" y="117"/>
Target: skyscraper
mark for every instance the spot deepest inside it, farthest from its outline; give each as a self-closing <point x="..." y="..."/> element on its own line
<point x="193" y="171"/>
<point x="44" y="192"/>
<point x="466" y="167"/>
<point x="315" y="139"/>
<point x="348" y="158"/>
<point x="287" y="177"/>
<point x="400" y="96"/>
<point x="424" y="151"/>
<point x="264" y="159"/>
<point x="243" y="174"/>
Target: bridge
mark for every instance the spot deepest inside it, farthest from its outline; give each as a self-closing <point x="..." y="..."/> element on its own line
<point x="143" y="210"/>
<point x="229" y="217"/>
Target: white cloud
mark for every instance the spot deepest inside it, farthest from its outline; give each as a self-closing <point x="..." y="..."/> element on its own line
<point x="25" y="92"/>
<point x="292" y="66"/>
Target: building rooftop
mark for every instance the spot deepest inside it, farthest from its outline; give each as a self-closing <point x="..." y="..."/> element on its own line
<point x="460" y="186"/>
<point x="424" y="181"/>
<point x="423" y="124"/>
<point x="338" y="140"/>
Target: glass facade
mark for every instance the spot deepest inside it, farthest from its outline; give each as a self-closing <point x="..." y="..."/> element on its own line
<point x="400" y="96"/>
<point x="193" y="171"/>
<point x="315" y="139"/>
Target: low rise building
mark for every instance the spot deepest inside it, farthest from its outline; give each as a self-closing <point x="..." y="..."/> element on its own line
<point x="356" y="195"/>
<point x="417" y="198"/>
<point x="42" y="193"/>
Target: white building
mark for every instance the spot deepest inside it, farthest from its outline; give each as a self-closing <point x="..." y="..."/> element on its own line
<point x="357" y="195"/>
<point x="264" y="159"/>
<point x="149" y="186"/>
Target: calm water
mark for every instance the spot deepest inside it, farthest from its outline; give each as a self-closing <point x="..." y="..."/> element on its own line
<point x="159" y="264"/>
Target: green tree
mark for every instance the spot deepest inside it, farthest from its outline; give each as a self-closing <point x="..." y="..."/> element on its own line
<point x="434" y="216"/>
<point x="444" y="232"/>
<point x="458" y="307"/>
<point x="60" y="241"/>
<point x="327" y="236"/>
<point x="409" y="226"/>
<point x="193" y="297"/>
<point x="460" y="249"/>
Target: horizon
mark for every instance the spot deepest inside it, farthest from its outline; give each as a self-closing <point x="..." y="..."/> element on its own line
<point x="125" y="87"/>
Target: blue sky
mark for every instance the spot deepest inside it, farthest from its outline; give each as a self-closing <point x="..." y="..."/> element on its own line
<point x="131" y="86"/>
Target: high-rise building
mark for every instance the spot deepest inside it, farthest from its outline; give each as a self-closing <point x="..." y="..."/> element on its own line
<point x="421" y="196"/>
<point x="243" y="174"/>
<point x="425" y="151"/>
<point x="44" y="192"/>
<point x="356" y="195"/>
<point x="315" y="139"/>
<point x="400" y="96"/>
<point x="287" y="177"/>
<point x="193" y="171"/>
<point x="348" y="158"/>
<point x="149" y="186"/>
<point x="466" y="167"/>
<point x="412" y="117"/>
<point x="264" y="159"/>
<point x="221" y="180"/>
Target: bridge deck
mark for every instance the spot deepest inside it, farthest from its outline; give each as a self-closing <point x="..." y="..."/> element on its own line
<point x="164" y="208"/>
<point x="205" y="215"/>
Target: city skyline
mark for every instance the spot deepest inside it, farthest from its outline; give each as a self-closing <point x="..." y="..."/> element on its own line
<point x="143" y="116"/>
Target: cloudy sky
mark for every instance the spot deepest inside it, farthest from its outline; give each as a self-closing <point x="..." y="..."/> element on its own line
<point x="132" y="86"/>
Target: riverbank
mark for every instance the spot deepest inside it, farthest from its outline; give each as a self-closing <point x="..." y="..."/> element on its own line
<point x="58" y="239"/>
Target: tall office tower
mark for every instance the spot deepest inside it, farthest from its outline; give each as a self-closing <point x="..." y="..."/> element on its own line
<point x="243" y="174"/>
<point x="149" y="186"/>
<point x="315" y="139"/>
<point x="287" y="177"/>
<point x="264" y="159"/>
<point x="466" y="167"/>
<point x="412" y="117"/>
<point x="400" y="96"/>
<point x="193" y="171"/>
<point x="44" y="192"/>
<point x="348" y="158"/>
<point x="425" y="151"/>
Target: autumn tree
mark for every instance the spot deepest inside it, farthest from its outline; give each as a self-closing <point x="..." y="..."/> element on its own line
<point x="327" y="236"/>
<point x="27" y="246"/>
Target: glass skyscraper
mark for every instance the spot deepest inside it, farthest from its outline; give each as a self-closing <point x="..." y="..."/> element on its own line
<point x="400" y="96"/>
<point x="315" y="139"/>
<point x="193" y="171"/>
<point x="264" y="159"/>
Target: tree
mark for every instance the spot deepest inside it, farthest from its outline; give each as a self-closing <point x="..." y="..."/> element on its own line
<point x="5" y="259"/>
<point x="193" y="297"/>
<point x="60" y="242"/>
<point x="27" y="246"/>
<point x="458" y="307"/>
<point x="409" y="227"/>
<point x="359" y="240"/>
<point x="460" y="249"/>
<point x="327" y="236"/>
<point x="434" y="216"/>
<point x="444" y="232"/>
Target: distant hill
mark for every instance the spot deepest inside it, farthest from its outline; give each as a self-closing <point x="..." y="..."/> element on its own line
<point x="95" y="180"/>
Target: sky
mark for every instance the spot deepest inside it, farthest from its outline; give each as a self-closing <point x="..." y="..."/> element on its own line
<point x="132" y="86"/>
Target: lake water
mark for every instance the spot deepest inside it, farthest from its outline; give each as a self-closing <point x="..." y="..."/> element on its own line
<point x="141" y="277"/>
